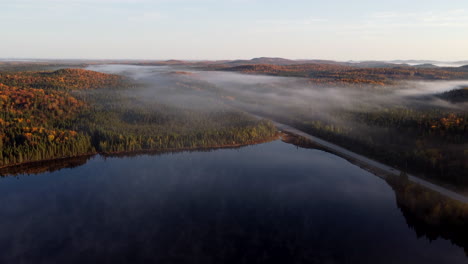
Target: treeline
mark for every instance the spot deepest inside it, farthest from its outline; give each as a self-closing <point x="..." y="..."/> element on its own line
<point x="108" y="141"/>
<point x="18" y="149"/>
<point x="71" y="112"/>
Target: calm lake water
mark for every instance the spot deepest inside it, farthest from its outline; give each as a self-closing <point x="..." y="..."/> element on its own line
<point x="259" y="204"/>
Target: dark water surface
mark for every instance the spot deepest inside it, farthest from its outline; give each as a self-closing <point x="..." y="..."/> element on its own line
<point x="269" y="203"/>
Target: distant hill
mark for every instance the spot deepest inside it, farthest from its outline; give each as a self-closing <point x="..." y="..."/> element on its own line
<point x="338" y="74"/>
<point x="426" y="65"/>
<point x="282" y="61"/>
<point x="174" y="62"/>
<point x="373" y="64"/>
<point x="414" y="62"/>
<point x="264" y="60"/>
<point x="420" y="64"/>
<point x="461" y="68"/>
<point x="318" y="62"/>
<point x="433" y="62"/>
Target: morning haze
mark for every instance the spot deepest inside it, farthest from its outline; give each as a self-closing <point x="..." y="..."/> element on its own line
<point x="237" y="131"/>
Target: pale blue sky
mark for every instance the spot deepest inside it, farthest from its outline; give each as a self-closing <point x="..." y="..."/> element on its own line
<point x="232" y="29"/>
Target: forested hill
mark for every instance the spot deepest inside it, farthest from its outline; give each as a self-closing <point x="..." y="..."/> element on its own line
<point x="60" y="79"/>
<point x="335" y="74"/>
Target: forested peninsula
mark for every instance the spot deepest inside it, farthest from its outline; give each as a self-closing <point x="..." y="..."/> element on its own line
<point x="47" y="115"/>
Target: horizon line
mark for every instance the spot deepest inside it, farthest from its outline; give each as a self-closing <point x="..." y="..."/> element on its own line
<point x="227" y="59"/>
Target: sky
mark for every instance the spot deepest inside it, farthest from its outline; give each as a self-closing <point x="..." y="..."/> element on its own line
<point x="234" y="29"/>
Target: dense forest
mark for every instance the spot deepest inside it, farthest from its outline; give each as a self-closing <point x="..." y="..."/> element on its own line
<point x="36" y="116"/>
<point x="431" y="144"/>
<point x="72" y="112"/>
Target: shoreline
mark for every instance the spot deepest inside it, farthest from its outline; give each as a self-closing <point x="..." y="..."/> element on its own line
<point x="172" y="150"/>
<point x="285" y="133"/>
<point x="309" y="144"/>
<point x="31" y="163"/>
<point x="378" y="169"/>
<point x="8" y="169"/>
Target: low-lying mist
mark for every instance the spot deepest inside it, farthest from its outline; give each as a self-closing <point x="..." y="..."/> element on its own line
<point x="407" y="122"/>
<point x="188" y="88"/>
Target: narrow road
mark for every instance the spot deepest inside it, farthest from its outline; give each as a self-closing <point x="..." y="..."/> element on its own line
<point x="346" y="153"/>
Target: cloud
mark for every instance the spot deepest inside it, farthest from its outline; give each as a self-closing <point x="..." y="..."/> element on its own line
<point x="451" y="18"/>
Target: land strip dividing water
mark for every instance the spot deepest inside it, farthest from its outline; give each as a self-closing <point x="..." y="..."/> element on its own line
<point x="377" y="168"/>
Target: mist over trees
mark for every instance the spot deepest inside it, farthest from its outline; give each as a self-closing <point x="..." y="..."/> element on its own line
<point x="72" y="112"/>
<point x="404" y="123"/>
<point x="417" y="125"/>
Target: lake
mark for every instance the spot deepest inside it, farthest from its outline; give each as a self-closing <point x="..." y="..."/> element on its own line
<point x="266" y="203"/>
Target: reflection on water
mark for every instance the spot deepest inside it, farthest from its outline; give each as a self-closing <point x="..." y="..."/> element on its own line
<point x="264" y="203"/>
<point x="39" y="167"/>
<point x="431" y="214"/>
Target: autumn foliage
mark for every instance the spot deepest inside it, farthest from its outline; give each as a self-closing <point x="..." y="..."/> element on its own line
<point x="333" y="74"/>
<point x="73" y="112"/>
<point x="61" y="79"/>
<point x="36" y="109"/>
